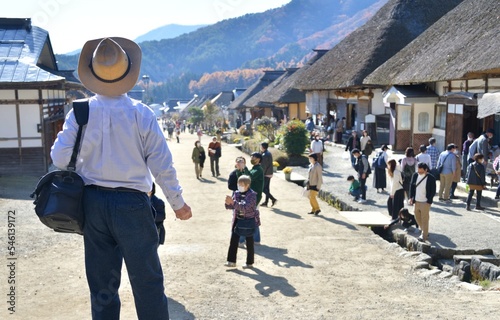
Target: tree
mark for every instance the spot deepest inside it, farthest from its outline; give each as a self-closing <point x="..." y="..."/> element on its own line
<point x="212" y="114"/>
<point x="267" y="127"/>
<point x="196" y="115"/>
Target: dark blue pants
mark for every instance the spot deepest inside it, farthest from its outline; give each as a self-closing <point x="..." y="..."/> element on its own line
<point x="267" y="191"/>
<point x="120" y="226"/>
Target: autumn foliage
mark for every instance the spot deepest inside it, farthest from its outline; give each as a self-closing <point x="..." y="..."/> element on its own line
<point x="225" y="80"/>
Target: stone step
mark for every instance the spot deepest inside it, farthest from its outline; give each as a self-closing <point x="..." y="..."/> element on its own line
<point x="366" y="218"/>
<point x="484" y="258"/>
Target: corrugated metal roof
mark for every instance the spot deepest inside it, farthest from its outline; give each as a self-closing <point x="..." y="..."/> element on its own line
<point x="21" y="50"/>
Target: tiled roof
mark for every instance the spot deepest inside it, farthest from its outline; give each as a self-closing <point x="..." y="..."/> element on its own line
<point x="25" y="53"/>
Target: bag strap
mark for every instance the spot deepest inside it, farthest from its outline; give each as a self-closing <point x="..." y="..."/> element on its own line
<point x="81" y="111"/>
<point x="421" y="181"/>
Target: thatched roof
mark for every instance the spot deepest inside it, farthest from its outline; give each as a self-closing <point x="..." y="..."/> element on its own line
<point x="395" y="25"/>
<point x="283" y="90"/>
<point x="264" y="81"/>
<point x="465" y="43"/>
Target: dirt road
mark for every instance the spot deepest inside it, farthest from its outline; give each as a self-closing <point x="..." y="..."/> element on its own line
<point x="307" y="267"/>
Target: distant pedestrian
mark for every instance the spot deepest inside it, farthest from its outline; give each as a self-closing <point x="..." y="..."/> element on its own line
<point x="476" y="179"/>
<point x="363" y="169"/>
<point x="433" y="152"/>
<point x="379" y="173"/>
<point x="408" y="167"/>
<point x="339" y="130"/>
<point x="257" y="185"/>
<point x="396" y="192"/>
<point x="244" y="205"/>
<point x="423" y="156"/>
<point x="214" y="152"/>
<point x="496" y="169"/>
<point x="310" y="124"/>
<point x="317" y="148"/>
<point x="353" y="143"/>
<point x="199" y="133"/>
<point x="422" y="191"/>
<point x="457" y="174"/>
<point x="483" y="146"/>
<point x="240" y="169"/>
<point x="465" y="153"/>
<point x="366" y="143"/>
<point x="267" y="168"/>
<point x="447" y="163"/>
<point x="315" y="180"/>
<point x="354" y="188"/>
<point x="198" y="156"/>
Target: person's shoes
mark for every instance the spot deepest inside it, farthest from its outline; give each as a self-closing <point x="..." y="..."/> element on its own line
<point x="479" y="208"/>
<point x="317" y="212"/>
<point x="447" y="200"/>
<point x="421" y="238"/>
<point x="230" y="264"/>
<point x="361" y="201"/>
<point x="247" y="266"/>
<point x="441" y="199"/>
<point x="218" y="174"/>
<point x="467" y="208"/>
<point x="312" y="212"/>
<point x="454" y="197"/>
<point x="263" y="204"/>
<point x="274" y="202"/>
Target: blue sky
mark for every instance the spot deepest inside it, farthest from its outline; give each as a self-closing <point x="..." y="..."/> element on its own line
<point x="71" y="22"/>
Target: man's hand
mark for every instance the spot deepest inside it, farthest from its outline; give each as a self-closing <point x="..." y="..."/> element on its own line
<point x="184" y="213"/>
<point x="363" y="176"/>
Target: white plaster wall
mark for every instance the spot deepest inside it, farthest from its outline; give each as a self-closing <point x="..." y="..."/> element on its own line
<point x="28" y="94"/>
<point x="378" y="106"/>
<point x="419" y="108"/>
<point x="440" y="87"/>
<point x="30" y="118"/>
<point x="8" y="129"/>
<point x="7" y="95"/>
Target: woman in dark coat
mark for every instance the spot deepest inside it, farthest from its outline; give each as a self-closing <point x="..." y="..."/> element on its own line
<point x="379" y="177"/>
<point x="476" y="179"/>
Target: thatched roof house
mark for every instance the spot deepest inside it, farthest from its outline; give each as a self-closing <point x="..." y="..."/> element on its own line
<point x="464" y="44"/>
<point x="394" y="26"/>
<point x="283" y="91"/>
<point x="264" y="81"/>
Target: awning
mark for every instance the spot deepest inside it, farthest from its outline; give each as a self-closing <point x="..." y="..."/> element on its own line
<point x="409" y="94"/>
<point x="488" y="105"/>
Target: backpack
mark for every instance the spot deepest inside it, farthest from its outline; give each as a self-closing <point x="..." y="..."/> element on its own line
<point x="408" y="171"/>
<point x="378" y="161"/>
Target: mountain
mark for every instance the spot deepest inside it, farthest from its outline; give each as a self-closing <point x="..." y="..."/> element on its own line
<point x="168" y="31"/>
<point x="277" y="38"/>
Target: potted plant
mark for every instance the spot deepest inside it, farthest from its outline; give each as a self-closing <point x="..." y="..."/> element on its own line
<point x="275" y="166"/>
<point x="288" y="172"/>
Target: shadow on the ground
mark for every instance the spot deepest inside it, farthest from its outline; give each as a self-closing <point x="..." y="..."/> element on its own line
<point x="441" y="241"/>
<point x="204" y="180"/>
<point x="339" y="222"/>
<point x="178" y="311"/>
<point x="278" y="257"/>
<point x="449" y="208"/>
<point x="268" y="284"/>
<point x="17" y="187"/>
<point x="331" y="174"/>
<point x="287" y="214"/>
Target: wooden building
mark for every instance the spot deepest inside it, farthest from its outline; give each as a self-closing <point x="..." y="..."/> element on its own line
<point x="458" y="58"/>
<point x="33" y="97"/>
<point x="335" y="83"/>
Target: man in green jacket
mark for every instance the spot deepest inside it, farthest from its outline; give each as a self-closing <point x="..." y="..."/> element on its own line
<point x="257" y="175"/>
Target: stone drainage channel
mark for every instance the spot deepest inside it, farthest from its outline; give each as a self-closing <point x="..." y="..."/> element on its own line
<point x="464" y="265"/>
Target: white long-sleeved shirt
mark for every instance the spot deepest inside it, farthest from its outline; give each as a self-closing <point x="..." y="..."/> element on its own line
<point x="122" y="146"/>
<point x="396" y="181"/>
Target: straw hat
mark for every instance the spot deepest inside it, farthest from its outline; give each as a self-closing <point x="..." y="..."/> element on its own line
<point x="109" y="66"/>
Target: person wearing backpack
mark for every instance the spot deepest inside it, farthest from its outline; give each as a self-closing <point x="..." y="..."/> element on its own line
<point x="363" y="168"/>
<point x="476" y="179"/>
<point x="408" y="167"/>
<point x="379" y="166"/>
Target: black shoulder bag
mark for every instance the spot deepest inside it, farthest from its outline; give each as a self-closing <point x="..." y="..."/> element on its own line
<point x="58" y="194"/>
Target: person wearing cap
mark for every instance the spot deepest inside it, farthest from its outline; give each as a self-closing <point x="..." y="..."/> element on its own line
<point x="214" y="152"/>
<point x="122" y="150"/>
<point x="483" y="146"/>
<point x="353" y="143"/>
<point x="447" y="166"/>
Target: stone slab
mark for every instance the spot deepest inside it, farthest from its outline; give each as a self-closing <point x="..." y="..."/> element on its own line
<point x="484" y="258"/>
<point x="367" y="218"/>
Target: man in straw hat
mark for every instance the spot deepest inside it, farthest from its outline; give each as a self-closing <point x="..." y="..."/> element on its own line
<point x="122" y="149"/>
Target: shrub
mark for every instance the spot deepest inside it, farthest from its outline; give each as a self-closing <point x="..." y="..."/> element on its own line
<point x="267" y="127"/>
<point x="295" y="137"/>
<point x="243" y="131"/>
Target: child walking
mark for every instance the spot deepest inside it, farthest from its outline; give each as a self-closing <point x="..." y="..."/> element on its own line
<point x="244" y="203"/>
